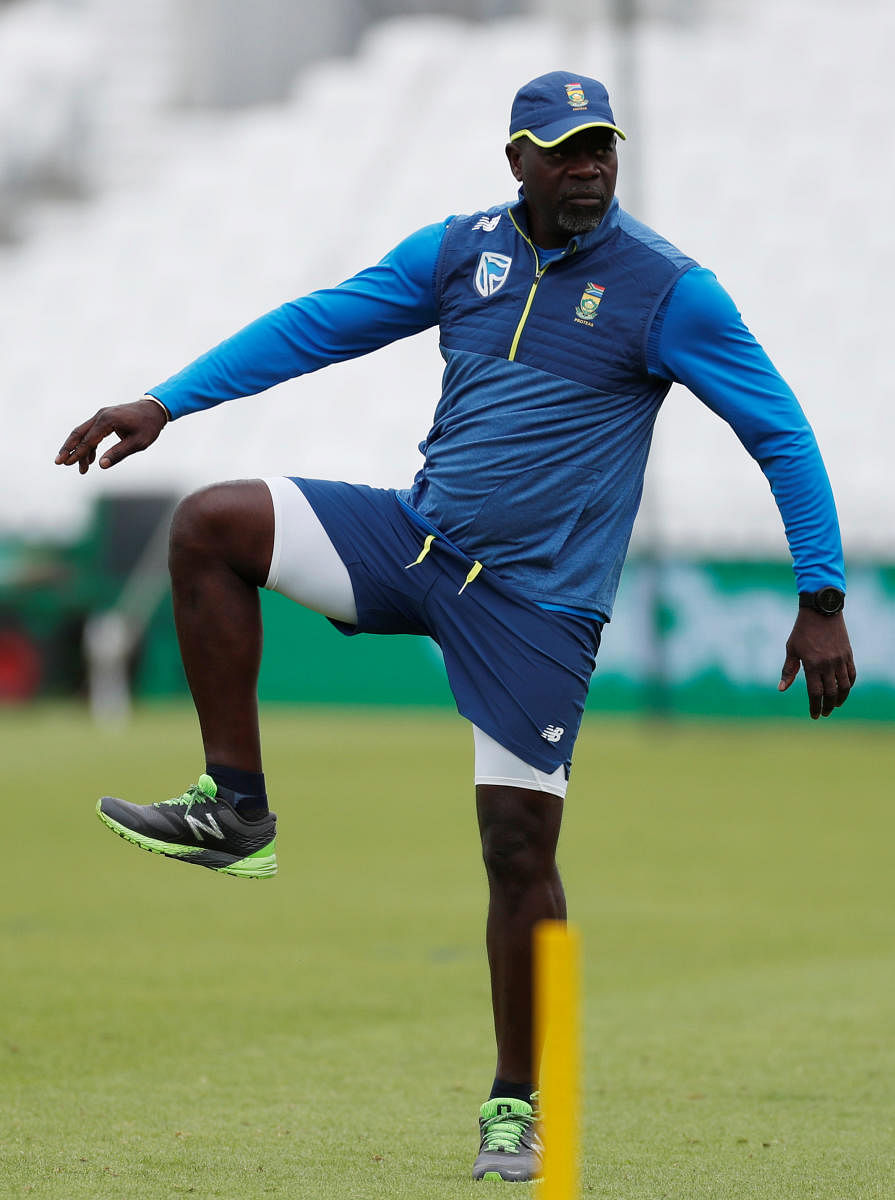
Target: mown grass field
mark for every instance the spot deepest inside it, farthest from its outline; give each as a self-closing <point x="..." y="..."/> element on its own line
<point x="168" y="1032"/>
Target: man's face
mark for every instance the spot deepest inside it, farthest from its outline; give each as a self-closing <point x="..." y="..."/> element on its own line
<point x="568" y="187"/>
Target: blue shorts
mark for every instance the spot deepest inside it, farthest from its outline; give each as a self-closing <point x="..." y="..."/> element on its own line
<point x="518" y="671"/>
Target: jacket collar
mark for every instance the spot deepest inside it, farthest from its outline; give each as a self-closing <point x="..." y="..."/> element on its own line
<point x="581" y="241"/>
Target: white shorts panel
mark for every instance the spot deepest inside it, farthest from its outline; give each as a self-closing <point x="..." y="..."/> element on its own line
<point x="496" y="765"/>
<point x="304" y="565"/>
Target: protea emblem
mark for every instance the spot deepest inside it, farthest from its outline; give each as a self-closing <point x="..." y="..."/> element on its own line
<point x="575" y="93"/>
<point x="586" y="309"/>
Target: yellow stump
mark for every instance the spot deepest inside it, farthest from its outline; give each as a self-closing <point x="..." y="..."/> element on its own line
<point x="558" y="1051"/>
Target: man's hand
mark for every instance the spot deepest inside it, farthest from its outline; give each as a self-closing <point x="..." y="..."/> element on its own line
<point x="136" y="425"/>
<point x="820" y="644"/>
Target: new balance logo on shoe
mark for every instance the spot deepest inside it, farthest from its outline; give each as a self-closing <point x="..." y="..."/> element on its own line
<point x="210" y="826"/>
<point x="552" y="733"/>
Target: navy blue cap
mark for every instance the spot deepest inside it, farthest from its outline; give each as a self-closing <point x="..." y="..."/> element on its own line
<point x="553" y="107"/>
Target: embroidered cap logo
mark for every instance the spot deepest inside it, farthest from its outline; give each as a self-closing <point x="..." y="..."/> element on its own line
<point x="575" y="93"/>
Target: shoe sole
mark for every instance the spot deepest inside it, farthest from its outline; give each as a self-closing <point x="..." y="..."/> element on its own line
<point x="260" y="865"/>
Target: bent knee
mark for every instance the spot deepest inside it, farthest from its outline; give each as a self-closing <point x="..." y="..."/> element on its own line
<point x="232" y="522"/>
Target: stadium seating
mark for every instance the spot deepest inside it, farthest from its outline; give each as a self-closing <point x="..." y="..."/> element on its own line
<point x="762" y="148"/>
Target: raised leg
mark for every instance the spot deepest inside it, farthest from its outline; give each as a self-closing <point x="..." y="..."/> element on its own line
<point x="220" y="551"/>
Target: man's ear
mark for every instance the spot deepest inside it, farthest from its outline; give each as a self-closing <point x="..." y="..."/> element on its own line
<point x="514" y="158"/>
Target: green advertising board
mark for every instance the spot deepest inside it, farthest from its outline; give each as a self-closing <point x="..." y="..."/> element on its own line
<point x="708" y="639"/>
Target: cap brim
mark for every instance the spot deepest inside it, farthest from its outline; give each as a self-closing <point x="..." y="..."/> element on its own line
<point x="552" y="135"/>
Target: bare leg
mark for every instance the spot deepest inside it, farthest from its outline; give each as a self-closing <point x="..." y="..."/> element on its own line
<point x="220" y="550"/>
<point x="520" y="830"/>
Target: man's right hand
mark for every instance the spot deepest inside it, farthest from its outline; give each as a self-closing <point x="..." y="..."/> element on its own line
<point x="136" y="425"/>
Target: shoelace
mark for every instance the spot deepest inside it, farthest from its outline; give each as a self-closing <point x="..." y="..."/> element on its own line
<point x="504" y="1131"/>
<point x="192" y="795"/>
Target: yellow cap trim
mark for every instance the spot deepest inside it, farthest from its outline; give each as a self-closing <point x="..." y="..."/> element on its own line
<point x="578" y="128"/>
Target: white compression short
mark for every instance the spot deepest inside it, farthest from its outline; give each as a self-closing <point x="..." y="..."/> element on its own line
<point x="305" y="567"/>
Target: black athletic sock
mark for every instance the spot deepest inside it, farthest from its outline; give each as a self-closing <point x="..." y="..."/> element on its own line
<point x="504" y="1090"/>
<point x="245" y="790"/>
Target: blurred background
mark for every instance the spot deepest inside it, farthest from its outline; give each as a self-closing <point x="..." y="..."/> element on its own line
<point x="169" y="169"/>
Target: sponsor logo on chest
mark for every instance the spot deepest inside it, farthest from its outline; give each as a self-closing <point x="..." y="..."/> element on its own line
<point x="491" y="272"/>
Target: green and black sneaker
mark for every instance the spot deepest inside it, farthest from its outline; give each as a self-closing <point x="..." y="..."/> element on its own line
<point x="510" y="1148"/>
<point x="197" y="828"/>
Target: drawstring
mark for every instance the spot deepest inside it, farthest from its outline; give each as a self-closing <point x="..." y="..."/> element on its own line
<point x="427" y="546"/>
<point x="476" y="567"/>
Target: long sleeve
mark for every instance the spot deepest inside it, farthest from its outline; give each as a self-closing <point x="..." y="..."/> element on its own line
<point x="700" y="340"/>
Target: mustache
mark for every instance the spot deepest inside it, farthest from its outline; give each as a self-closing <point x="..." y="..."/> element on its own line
<point x="584" y="194"/>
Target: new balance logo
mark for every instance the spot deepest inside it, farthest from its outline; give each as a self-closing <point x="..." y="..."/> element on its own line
<point x="552" y="733"/>
<point x="488" y="224"/>
<point x="210" y="827"/>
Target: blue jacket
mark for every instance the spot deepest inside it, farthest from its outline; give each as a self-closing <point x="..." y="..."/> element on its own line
<point x="535" y="460"/>
<point x="556" y="364"/>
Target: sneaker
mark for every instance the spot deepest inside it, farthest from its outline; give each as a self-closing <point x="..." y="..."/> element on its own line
<point x="197" y="828"/>
<point x="510" y="1148"/>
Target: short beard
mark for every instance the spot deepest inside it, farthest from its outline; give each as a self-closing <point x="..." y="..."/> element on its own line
<point x="579" y="220"/>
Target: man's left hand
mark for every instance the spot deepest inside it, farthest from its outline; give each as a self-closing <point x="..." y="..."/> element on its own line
<point x="820" y="645"/>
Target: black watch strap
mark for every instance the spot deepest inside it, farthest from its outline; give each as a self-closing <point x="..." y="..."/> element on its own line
<point x="829" y="601"/>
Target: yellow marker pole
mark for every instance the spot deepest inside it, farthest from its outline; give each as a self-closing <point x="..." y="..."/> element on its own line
<point x="558" y="1051"/>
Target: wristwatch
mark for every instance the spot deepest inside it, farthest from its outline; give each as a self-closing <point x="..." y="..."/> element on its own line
<point x="829" y="601"/>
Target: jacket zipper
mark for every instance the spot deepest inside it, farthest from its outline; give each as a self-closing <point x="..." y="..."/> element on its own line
<point x="526" y="310"/>
<point x="539" y="272"/>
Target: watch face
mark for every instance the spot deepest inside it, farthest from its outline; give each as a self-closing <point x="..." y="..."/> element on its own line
<point x="830" y="600"/>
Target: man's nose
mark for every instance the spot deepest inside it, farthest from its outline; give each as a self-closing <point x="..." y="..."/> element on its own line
<point x="586" y="162"/>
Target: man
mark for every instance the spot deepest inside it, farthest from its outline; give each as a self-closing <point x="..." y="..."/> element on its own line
<point x="563" y="323"/>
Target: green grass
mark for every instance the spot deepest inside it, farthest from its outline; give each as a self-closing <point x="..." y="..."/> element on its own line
<point x="169" y="1032"/>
